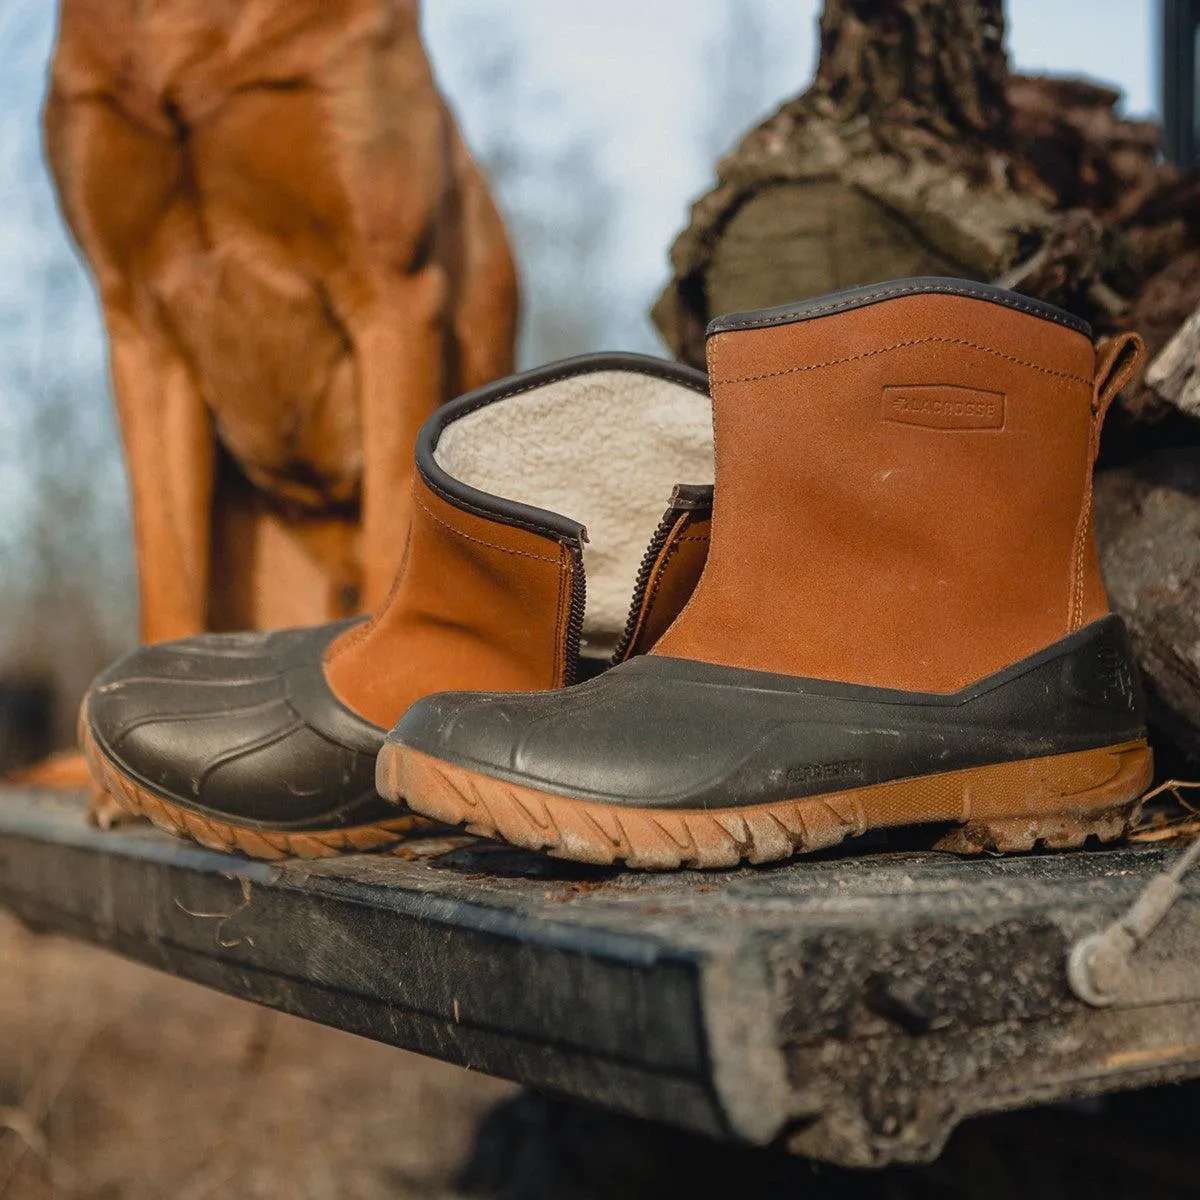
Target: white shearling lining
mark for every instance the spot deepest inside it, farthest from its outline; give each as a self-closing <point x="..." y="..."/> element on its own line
<point x="603" y="448"/>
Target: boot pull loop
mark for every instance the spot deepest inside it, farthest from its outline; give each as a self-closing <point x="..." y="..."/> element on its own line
<point x="1117" y="358"/>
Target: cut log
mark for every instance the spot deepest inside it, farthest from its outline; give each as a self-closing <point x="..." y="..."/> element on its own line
<point x="943" y="64"/>
<point x="1081" y="152"/>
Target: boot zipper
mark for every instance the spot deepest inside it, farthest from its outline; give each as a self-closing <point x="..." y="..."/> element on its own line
<point x="575" y="621"/>
<point x="686" y="498"/>
<point x="657" y="541"/>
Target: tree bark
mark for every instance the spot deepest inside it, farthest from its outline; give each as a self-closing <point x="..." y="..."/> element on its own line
<point x="944" y="64"/>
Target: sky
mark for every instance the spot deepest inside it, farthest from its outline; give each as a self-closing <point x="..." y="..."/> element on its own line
<point x="614" y="114"/>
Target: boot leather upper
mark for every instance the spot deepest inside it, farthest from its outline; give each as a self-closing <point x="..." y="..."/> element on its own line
<point x="474" y="599"/>
<point x="491" y="593"/>
<point x="904" y="472"/>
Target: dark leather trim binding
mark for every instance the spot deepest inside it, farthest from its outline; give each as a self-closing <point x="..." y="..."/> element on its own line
<point x="876" y="293"/>
<point x="511" y="512"/>
<point x="692" y="496"/>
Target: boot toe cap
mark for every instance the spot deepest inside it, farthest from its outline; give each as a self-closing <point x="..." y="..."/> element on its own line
<point x="230" y="726"/>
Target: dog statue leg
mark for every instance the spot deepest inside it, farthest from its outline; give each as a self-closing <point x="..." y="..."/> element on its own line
<point x="404" y="349"/>
<point x="130" y="234"/>
<point x="169" y="450"/>
<point x="401" y="355"/>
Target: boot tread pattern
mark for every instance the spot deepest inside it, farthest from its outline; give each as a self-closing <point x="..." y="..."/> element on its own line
<point x="1057" y="802"/>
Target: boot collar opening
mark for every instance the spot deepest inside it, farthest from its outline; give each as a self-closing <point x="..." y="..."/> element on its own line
<point x="585" y="451"/>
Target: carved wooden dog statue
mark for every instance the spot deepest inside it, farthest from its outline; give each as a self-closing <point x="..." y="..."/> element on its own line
<point x="297" y="260"/>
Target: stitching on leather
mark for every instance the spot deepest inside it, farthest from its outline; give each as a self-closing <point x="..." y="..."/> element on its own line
<point x="490" y="545"/>
<point x="860" y="301"/>
<point x="1083" y="528"/>
<point x="712" y="348"/>
<point x="711" y="351"/>
<point x="1080" y="550"/>
<point x="345" y="644"/>
<point x="1112" y="386"/>
<point x="1077" y="571"/>
<point x="1075" y="613"/>
<point x="834" y="362"/>
<point x="648" y="603"/>
<point x="1075" y="608"/>
<point x="1111" y="377"/>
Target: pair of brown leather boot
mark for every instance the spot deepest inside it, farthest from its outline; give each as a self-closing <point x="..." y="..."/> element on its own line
<point x="266" y="742"/>
<point x="900" y="619"/>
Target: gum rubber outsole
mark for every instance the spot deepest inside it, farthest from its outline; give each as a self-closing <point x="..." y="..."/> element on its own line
<point x="1057" y="802"/>
<point x="220" y="835"/>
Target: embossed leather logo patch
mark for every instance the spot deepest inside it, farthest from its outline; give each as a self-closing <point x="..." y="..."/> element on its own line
<point x="943" y="406"/>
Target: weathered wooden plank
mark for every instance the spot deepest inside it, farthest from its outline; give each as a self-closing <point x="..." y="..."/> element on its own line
<point x="850" y="1008"/>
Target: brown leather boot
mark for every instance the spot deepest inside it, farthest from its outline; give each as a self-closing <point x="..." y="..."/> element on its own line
<point x="901" y="620"/>
<point x="266" y="742"/>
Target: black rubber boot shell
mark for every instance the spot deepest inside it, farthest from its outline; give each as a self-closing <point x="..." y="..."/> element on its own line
<point x="242" y="728"/>
<point x="668" y="733"/>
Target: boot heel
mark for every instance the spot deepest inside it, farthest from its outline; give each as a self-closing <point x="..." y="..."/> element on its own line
<point x="1073" y="804"/>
